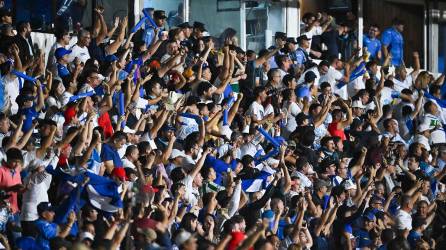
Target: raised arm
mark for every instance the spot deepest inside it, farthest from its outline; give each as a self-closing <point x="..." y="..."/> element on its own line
<point x="200" y="163"/>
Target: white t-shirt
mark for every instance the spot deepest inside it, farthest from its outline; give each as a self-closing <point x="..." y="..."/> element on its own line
<point x="256" y="110"/>
<point x="37" y="192"/>
<point x="333" y="76"/>
<point x="314" y="31"/>
<point x="12" y="91"/>
<point x="400" y="85"/>
<point x="317" y="81"/>
<point x="79" y="52"/>
<point x="127" y="164"/>
<point x="291" y="125"/>
<point x="355" y="85"/>
<point x="192" y="194"/>
<point x="403" y="220"/>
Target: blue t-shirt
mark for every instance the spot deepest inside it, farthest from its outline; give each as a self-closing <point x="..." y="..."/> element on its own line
<point x="363" y="238"/>
<point x="394" y="40"/>
<point x="413" y="237"/>
<point x="109" y="153"/>
<point x="30" y="114"/>
<point x="373" y="46"/>
<point x="47" y="231"/>
<point x="62" y="70"/>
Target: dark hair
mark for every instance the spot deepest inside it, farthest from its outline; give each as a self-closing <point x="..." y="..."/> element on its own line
<point x="324" y="63"/>
<point x="287" y="79"/>
<point x="119" y="135"/>
<point x="301" y="162"/>
<point x="280" y="59"/>
<point x="14" y="154"/>
<point x="60" y="33"/>
<point x="177" y="174"/>
<point x="258" y="90"/>
<point x="129" y="150"/>
<point x="399" y="243"/>
<point x="324" y="85"/>
<point x="203" y="86"/>
<point x="325" y="140"/>
<point x="186" y="222"/>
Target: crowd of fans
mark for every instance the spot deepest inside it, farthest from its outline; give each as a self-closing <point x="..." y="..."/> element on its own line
<point x="146" y="138"/>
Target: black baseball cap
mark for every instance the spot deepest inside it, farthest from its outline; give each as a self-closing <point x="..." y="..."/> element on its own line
<point x="200" y="26"/>
<point x="280" y="35"/>
<point x="44" y="206"/>
<point x="303" y="37"/>
<point x="159" y="14"/>
<point x="185" y="25"/>
<point x="291" y="40"/>
<point x="5" y="12"/>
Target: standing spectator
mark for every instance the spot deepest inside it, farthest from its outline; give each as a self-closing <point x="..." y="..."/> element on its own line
<point x="393" y="42"/>
<point x="372" y="43"/>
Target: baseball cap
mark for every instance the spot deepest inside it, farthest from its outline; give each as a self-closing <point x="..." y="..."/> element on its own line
<point x="303" y="37"/>
<point x="120" y="173"/>
<point x="60" y="52"/>
<point x="291" y="40"/>
<point x="44" y="206"/>
<point x="280" y="35"/>
<point x="182" y="237"/>
<point x="348" y="185"/>
<point x="310" y="76"/>
<point x="168" y="127"/>
<point x="111" y="58"/>
<point x="200" y="26"/>
<point x="369" y="216"/>
<point x="159" y="14"/>
<point x="87" y="236"/>
<point x="358" y="104"/>
<point x="176" y="153"/>
<point x="185" y="25"/>
<point x="423" y="127"/>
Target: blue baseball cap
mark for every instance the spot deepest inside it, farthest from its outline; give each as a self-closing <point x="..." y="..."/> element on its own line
<point x="111" y="58"/>
<point x="268" y="214"/>
<point x="369" y="216"/>
<point x="60" y="52"/>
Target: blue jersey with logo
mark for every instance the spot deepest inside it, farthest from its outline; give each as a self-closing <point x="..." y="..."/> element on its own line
<point x="373" y="46"/>
<point x="394" y="42"/>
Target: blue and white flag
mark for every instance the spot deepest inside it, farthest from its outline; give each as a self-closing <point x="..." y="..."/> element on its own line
<point x="101" y="192"/>
<point x="255" y="185"/>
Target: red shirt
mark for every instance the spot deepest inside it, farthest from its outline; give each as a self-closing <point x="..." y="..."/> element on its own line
<point x="105" y="123"/>
<point x="8" y="178"/>
<point x="334" y="131"/>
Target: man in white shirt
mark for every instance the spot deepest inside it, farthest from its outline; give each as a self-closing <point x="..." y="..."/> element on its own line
<point x="403" y="218"/>
<point x="130" y="157"/>
<point x="256" y="110"/>
<point x="63" y="39"/>
<point x="320" y="71"/>
<point x="303" y="168"/>
<point x="80" y="49"/>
